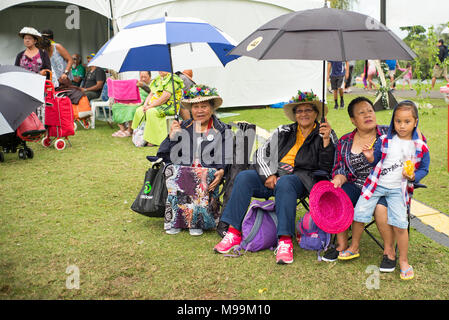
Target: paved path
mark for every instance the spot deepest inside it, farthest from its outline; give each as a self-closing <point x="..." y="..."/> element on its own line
<point x="430" y="222"/>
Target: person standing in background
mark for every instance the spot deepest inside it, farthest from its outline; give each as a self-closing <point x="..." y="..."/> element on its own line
<point x="61" y="60"/>
<point x="337" y="71"/>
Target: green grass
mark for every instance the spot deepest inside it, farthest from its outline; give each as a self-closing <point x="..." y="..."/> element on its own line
<point x="72" y="208"/>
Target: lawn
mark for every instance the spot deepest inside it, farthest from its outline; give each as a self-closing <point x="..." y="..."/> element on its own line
<point x="71" y="208"/>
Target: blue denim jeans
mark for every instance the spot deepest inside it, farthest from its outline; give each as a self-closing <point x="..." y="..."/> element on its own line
<point x="248" y="184"/>
<point x="354" y="193"/>
<point x="397" y="210"/>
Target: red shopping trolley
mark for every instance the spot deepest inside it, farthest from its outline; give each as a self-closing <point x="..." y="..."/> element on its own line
<point x="58" y="118"/>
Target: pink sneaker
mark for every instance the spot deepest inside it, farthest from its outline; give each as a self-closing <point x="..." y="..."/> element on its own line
<point x="229" y="241"/>
<point x="284" y="252"/>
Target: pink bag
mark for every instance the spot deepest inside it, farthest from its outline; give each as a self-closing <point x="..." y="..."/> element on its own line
<point x="124" y="91"/>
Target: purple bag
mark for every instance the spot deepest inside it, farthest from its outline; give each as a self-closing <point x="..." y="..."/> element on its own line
<point x="259" y="226"/>
<point x="310" y="237"/>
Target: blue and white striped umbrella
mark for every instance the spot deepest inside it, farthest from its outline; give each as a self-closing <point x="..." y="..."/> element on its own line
<point x="166" y="44"/>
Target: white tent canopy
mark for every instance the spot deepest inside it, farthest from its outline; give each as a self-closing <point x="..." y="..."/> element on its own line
<point x="91" y="34"/>
<point x="245" y="81"/>
<point x="99" y="6"/>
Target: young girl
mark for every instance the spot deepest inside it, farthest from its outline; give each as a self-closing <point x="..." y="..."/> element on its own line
<point x="390" y="179"/>
<point x="407" y="76"/>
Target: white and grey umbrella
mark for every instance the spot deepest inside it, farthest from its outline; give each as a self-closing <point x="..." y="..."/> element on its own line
<point x="21" y="92"/>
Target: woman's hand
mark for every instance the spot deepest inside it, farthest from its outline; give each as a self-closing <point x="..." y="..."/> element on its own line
<point x="325" y="132"/>
<point x="339" y="180"/>
<point x="368" y="152"/>
<point x="271" y="181"/>
<point x="218" y="176"/>
<point x="175" y="127"/>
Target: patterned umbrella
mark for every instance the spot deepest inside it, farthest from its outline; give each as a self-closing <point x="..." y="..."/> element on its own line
<point x="21" y="92"/>
<point x="166" y="44"/>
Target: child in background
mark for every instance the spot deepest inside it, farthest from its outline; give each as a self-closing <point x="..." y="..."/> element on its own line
<point x="390" y="179"/>
<point x="407" y="76"/>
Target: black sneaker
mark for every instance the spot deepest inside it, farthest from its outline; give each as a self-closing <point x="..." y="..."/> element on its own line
<point x="342" y="104"/>
<point x="331" y="255"/>
<point x="387" y="265"/>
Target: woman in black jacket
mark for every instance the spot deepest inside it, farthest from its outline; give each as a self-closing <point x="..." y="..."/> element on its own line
<point x="196" y="142"/>
<point x="32" y="58"/>
<point x="284" y="168"/>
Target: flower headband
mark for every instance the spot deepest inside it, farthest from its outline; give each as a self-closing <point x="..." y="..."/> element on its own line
<point x="304" y="97"/>
<point x="200" y="90"/>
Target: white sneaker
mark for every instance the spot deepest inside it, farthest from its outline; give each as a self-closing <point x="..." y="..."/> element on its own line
<point x="196" y="232"/>
<point x="173" y="231"/>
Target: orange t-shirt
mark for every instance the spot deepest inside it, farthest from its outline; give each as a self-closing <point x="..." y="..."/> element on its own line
<point x="291" y="154"/>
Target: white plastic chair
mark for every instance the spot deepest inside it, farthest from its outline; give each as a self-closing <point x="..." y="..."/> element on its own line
<point x="106" y="108"/>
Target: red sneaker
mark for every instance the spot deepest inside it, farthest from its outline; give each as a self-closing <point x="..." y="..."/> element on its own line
<point x="229" y="242"/>
<point x="284" y="252"/>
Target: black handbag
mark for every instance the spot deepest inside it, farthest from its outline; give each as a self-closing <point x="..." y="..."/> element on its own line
<point x="152" y="197"/>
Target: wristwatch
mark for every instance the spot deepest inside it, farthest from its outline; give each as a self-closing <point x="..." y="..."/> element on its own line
<point x="66" y="73"/>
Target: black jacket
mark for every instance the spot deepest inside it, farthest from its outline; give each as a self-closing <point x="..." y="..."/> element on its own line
<point x="312" y="156"/>
<point x="46" y="64"/>
<point x="214" y="141"/>
<point x="442" y="53"/>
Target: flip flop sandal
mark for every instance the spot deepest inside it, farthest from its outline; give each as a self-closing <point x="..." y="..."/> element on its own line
<point x="404" y="272"/>
<point x="122" y="134"/>
<point x="351" y="255"/>
<point x="116" y="134"/>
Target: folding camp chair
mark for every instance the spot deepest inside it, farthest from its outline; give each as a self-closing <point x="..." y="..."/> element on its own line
<point x="409" y="217"/>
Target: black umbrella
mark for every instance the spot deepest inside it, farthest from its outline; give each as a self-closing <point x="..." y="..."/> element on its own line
<point x="21" y="92"/>
<point x="324" y="34"/>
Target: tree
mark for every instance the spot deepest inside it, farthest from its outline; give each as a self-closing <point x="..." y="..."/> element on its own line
<point x="342" y="4"/>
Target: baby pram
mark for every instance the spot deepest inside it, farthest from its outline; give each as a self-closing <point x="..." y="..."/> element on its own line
<point x="31" y="129"/>
<point x="58" y="118"/>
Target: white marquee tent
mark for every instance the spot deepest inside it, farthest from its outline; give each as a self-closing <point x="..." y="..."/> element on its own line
<point x="244" y="82"/>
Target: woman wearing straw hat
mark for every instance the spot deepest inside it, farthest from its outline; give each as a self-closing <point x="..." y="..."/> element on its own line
<point x="32" y="58"/>
<point x="284" y="169"/>
<point x="199" y="142"/>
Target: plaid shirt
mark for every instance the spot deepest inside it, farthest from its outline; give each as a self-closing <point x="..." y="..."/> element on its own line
<point x="407" y="186"/>
<point x="342" y="164"/>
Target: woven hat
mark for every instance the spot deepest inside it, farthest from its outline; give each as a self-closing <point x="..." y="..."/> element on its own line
<point x="199" y="93"/>
<point x="31" y="31"/>
<point x="330" y="207"/>
<point x="302" y="98"/>
<point x="188" y="73"/>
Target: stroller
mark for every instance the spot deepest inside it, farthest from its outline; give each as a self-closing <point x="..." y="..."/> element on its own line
<point x="58" y="118"/>
<point x="31" y="129"/>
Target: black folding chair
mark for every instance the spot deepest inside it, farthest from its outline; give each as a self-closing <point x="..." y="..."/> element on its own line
<point x="409" y="217"/>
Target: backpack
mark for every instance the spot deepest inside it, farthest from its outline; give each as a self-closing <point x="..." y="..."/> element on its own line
<point x="310" y="237"/>
<point x="259" y="227"/>
<point x="233" y="170"/>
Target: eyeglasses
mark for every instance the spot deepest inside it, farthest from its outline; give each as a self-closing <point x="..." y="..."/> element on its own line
<point x="299" y="111"/>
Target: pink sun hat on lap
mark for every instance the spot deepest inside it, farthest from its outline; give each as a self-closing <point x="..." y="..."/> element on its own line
<point x="330" y="207"/>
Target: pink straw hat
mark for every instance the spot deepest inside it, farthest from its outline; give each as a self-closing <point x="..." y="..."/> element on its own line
<point x="330" y="207"/>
